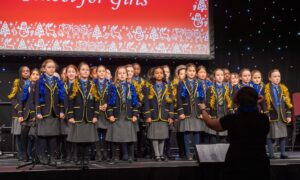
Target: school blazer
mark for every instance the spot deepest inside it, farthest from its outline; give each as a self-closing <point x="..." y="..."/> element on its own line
<point x="16" y="99"/>
<point x="212" y="107"/>
<point x="273" y="113"/>
<point x="83" y="108"/>
<point x="104" y="96"/>
<point x="26" y="109"/>
<point x="51" y="106"/>
<point x="159" y="109"/>
<point x="68" y="91"/>
<point x="115" y="110"/>
<point x="183" y="103"/>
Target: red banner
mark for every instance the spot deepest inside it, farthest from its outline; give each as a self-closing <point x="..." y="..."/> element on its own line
<point x="132" y="26"/>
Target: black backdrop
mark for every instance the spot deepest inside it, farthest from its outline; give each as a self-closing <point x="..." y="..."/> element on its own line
<point x="254" y="34"/>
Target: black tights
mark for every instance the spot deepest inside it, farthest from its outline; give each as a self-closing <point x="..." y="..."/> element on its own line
<point x="24" y="140"/>
<point x="47" y="144"/>
<point x="83" y="151"/>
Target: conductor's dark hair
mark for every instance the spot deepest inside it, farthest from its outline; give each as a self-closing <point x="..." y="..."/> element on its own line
<point x="246" y="96"/>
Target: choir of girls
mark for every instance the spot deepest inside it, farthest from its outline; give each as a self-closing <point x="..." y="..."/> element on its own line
<point x="84" y="110"/>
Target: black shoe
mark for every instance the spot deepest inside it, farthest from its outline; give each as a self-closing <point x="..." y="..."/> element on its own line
<point x="182" y="157"/>
<point x="86" y="162"/>
<point x="112" y="161"/>
<point x="52" y="162"/>
<point x="68" y="159"/>
<point x="189" y="157"/>
<point x="99" y="157"/>
<point x="272" y="157"/>
<point x="26" y="159"/>
<point x="125" y="158"/>
<point x="130" y="160"/>
<point x="284" y="156"/>
<point x="78" y="163"/>
<point x="157" y="158"/>
<point x="164" y="158"/>
<point x="43" y="160"/>
<point x="21" y="163"/>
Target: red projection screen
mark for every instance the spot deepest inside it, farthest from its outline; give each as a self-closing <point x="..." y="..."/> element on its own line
<point x="171" y="28"/>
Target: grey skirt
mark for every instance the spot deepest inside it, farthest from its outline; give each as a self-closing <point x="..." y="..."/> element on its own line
<point x="213" y="132"/>
<point x="102" y="121"/>
<point x="64" y="126"/>
<point x="16" y="127"/>
<point x="32" y="125"/>
<point x="33" y="131"/>
<point x="278" y="129"/>
<point x="137" y="125"/>
<point x="192" y="123"/>
<point x="158" y="130"/>
<point x="122" y="130"/>
<point x="176" y="125"/>
<point x="82" y="133"/>
<point x="49" y="126"/>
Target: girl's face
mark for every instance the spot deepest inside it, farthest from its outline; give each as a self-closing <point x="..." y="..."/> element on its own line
<point x="50" y="68"/>
<point x="137" y="70"/>
<point x="108" y="74"/>
<point x="246" y="77"/>
<point x="191" y="72"/>
<point x="226" y="75"/>
<point x="167" y="72"/>
<point x="84" y="71"/>
<point x="158" y="74"/>
<point x="182" y="74"/>
<point x="202" y="74"/>
<point x="25" y="73"/>
<point x="234" y="80"/>
<point x="94" y="74"/>
<point x="129" y="72"/>
<point x="256" y="78"/>
<point x="101" y="72"/>
<point x="122" y="74"/>
<point x="71" y="73"/>
<point x="275" y="77"/>
<point x="34" y="76"/>
<point x="219" y="76"/>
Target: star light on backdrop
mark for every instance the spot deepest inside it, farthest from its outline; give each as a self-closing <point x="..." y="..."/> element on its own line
<point x="263" y="28"/>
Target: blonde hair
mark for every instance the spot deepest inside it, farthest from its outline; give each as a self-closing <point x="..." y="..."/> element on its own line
<point x="100" y="67"/>
<point x="201" y="67"/>
<point x="255" y="71"/>
<point x="243" y="70"/>
<point x="272" y="71"/>
<point x="218" y="69"/>
<point x="47" y="61"/>
<point x="116" y="80"/>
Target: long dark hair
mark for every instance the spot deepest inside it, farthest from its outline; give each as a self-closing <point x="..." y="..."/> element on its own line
<point x="20" y="75"/>
<point x="152" y="79"/>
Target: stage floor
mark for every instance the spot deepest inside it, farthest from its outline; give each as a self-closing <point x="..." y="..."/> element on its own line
<point x="10" y="164"/>
<point x="143" y="169"/>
